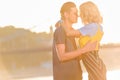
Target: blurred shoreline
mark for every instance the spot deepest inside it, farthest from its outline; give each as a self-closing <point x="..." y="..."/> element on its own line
<point x="25" y="54"/>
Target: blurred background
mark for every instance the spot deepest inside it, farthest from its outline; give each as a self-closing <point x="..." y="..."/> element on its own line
<point x="26" y="34"/>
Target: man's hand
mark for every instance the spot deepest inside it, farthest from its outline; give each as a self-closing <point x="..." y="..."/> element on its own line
<point x="90" y="46"/>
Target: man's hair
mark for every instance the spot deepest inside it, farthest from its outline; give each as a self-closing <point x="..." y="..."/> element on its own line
<point x="66" y="7"/>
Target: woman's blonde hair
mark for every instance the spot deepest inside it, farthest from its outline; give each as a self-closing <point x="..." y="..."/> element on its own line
<point x="89" y="13"/>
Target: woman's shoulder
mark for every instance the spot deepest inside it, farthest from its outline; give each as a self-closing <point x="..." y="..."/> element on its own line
<point x="94" y="26"/>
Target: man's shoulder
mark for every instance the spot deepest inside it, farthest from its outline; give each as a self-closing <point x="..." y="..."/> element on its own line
<point x="59" y="30"/>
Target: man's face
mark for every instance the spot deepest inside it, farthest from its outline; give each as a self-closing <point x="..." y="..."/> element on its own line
<point x="73" y="15"/>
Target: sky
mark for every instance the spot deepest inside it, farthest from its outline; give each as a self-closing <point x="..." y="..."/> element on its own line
<point x="39" y="15"/>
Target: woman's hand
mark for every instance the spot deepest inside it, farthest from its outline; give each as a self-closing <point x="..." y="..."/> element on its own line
<point x="58" y="23"/>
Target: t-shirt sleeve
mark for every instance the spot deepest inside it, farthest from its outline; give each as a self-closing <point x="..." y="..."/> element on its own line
<point x="88" y="30"/>
<point x="59" y="36"/>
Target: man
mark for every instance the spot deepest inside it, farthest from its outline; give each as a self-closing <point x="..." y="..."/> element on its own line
<point x="66" y="64"/>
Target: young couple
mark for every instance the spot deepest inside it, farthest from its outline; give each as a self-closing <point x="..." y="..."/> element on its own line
<point x="66" y="55"/>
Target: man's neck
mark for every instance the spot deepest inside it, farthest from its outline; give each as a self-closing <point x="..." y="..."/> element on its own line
<point x="67" y="24"/>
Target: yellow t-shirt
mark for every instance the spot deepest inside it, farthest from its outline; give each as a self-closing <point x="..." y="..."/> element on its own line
<point x="97" y="37"/>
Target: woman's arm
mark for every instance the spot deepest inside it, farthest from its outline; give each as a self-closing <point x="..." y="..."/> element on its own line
<point x="69" y="32"/>
<point x="73" y="32"/>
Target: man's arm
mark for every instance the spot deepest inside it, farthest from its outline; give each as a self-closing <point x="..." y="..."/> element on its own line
<point x="63" y="56"/>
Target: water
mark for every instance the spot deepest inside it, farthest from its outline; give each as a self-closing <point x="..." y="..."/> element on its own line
<point x="111" y="75"/>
